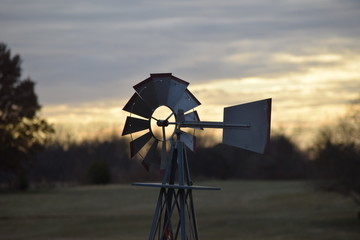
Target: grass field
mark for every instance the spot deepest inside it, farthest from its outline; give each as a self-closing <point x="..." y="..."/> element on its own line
<point x="241" y="210"/>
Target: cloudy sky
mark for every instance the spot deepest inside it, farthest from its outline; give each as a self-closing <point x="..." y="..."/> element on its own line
<point x="85" y="56"/>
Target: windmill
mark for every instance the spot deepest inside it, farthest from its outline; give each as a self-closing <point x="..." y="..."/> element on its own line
<point x="245" y="126"/>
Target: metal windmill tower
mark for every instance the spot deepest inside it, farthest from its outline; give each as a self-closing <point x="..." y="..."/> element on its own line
<point x="245" y="126"/>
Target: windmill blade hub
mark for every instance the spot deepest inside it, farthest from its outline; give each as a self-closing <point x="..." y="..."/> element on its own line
<point x="162" y="123"/>
<point x="159" y="123"/>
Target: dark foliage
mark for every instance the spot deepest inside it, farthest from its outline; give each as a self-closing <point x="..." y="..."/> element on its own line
<point x="285" y="161"/>
<point x="338" y="168"/>
<point x="84" y="162"/>
<point x="91" y="161"/>
<point x="336" y="156"/>
<point x="99" y="173"/>
<point x="22" y="133"/>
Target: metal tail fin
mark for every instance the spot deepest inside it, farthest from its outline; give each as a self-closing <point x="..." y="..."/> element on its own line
<point x="258" y="115"/>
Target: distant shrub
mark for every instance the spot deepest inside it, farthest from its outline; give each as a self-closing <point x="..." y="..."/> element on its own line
<point x="99" y="173"/>
<point x="23" y="182"/>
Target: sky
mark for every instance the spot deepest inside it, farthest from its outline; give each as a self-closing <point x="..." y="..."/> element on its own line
<point x="85" y="56"/>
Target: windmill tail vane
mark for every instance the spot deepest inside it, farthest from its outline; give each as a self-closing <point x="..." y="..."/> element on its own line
<point x="163" y="106"/>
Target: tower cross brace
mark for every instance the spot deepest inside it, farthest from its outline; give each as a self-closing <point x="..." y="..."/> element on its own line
<point x="174" y="216"/>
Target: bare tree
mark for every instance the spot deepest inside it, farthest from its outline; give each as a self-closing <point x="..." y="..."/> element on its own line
<point x="337" y="155"/>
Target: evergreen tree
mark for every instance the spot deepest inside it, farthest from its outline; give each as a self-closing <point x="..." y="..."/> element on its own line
<point x="22" y="132"/>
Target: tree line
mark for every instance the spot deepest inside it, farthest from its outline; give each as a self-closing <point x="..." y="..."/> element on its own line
<point x="106" y="161"/>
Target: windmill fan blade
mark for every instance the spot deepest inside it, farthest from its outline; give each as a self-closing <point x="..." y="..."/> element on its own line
<point x="186" y="102"/>
<point x="134" y="125"/>
<point x="161" y="89"/>
<point x="146" y="91"/>
<point x="188" y="140"/>
<point x="257" y="137"/>
<point x="137" y="106"/>
<point x="177" y="89"/>
<point x="151" y="158"/>
<point x="137" y="144"/>
<point x="192" y="117"/>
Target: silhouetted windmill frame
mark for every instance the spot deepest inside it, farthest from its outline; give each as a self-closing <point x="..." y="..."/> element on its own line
<point x="246" y="126"/>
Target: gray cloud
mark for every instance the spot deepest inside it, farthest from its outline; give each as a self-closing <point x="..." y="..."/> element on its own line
<point x="89" y="50"/>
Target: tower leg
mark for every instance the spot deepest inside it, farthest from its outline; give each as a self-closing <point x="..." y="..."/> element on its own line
<point x="158" y="211"/>
<point x="174" y="216"/>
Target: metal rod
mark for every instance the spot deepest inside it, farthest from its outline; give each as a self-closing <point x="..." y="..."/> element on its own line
<point x="156" y="215"/>
<point x="172" y="113"/>
<point x="192" y="208"/>
<point x="206" y="124"/>
<point x="182" y="214"/>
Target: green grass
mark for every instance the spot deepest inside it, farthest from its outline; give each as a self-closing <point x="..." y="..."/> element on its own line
<point x="241" y="210"/>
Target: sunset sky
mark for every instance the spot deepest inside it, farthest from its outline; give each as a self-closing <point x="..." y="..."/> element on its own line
<point x="85" y="56"/>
